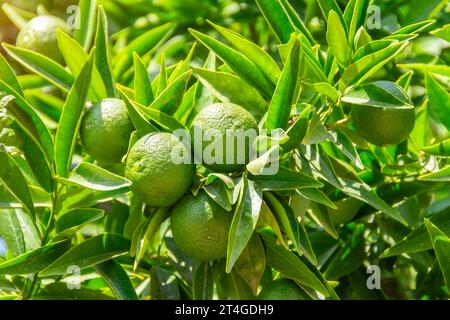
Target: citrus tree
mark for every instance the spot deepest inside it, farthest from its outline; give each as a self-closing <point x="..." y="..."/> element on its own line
<point x="342" y="191"/>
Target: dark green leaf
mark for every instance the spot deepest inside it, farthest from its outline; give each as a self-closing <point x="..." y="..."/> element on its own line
<point x="67" y="132"/>
<point x="41" y="65"/>
<point x="13" y="179"/>
<point x="87" y="15"/>
<point x="439" y="101"/>
<point x="203" y="284"/>
<point x="239" y="63"/>
<point x="36" y="260"/>
<point x="88" y="253"/>
<point x="117" y="279"/>
<point x="92" y="177"/>
<point x="244" y="220"/>
<point x="285" y="92"/>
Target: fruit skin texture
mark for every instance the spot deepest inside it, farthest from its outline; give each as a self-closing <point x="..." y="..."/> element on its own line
<point x="200" y="227"/>
<point x="383" y="126"/>
<point x="223" y="116"/>
<point x="282" y="289"/>
<point x="105" y="131"/>
<point x="39" y="34"/>
<point x="157" y="179"/>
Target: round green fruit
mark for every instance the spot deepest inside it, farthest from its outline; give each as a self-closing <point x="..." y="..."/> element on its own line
<point x="39" y="35"/>
<point x="105" y="131"/>
<point x="381" y="112"/>
<point x="282" y="289"/>
<point x="383" y="126"/>
<point x="200" y="227"/>
<point x="159" y="178"/>
<point x="234" y="126"/>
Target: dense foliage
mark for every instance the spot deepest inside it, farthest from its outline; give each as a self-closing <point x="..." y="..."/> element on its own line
<point x="354" y="96"/>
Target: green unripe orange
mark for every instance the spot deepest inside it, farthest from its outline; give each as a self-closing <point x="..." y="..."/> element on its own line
<point x="381" y="112"/>
<point x="282" y="289"/>
<point x="39" y="35"/>
<point x="227" y="122"/>
<point x="200" y="227"/>
<point x="105" y="131"/>
<point x="158" y="179"/>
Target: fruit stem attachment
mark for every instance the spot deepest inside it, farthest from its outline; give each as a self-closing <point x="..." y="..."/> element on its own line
<point x="337" y="124"/>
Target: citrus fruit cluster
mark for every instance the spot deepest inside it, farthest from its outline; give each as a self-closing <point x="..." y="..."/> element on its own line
<point x="199" y="225"/>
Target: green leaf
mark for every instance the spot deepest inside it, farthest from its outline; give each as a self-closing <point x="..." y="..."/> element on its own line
<point x="337" y="39"/>
<point x="142" y="125"/>
<point x="441" y="245"/>
<point x="163" y="284"/>
<point x="291" y="266"/>
<point x="418" y="240"/>
<point x="253" y="52"/>
<point x="382" y="94"/>
<point x="76" y="58"/>
<point x="441" y="149"/>
<point x="277" y="18"/>
<point x="343" y="143"/>
<point x="67" y="132"/>
<point x="237" y="62"/>
<point x="229" y="88"/>
<point x="415" y="27"/>
<point x="41" y="199"/>
<point x="219" y="193"/>
<point x="438" y="100"/>
<point x="322" y="217"/>
<point x="438" y="69"/>
<point x="150" y="230"/>
<point x="355" y="17"/>
<point x="142" y="84"/>
<point x="183" y="65"/>
<point x="92" y="177"/>
<point x="29" y="121"/>
<point x="162" y="77"/>
<point x="162" y="119"/>
<point x="60" y="291"/>
<point x="316" y="196"/>
<point x="252" y="263"/>
<point x="296" y="21"/>
<point x="11" y="232"/>
<point x="326" y="6"/>
<point x="325" y="89"/>
<point x="141" y="45"/>
<point x="286" y="218"/>
<point x="13" y="179"/>
<point x="86" y="17"/>
<point x="285" y="179"/>
<point x="17" y="16"/>
<point x="443" y="33"/>
<point x="349" y="258"/>
<point x="36" y="260"/>
<point x="102" y="53"/>
<point x="363" y="192"/>
<point x="117" y="279"/>
<point x="163" y="100"/>
<point x="364" y="68"/>
<point x="88" y="253"/>
<point x="73" y="220"/>
<point x="244" y="221"/>
<point x="8" y="76"/>
<point x="41" y="65"/>
<point x="285" y="92"/>
<point x="203" y="283"/>
<point x="19" y="231"/>
<point x="441" y="175"/>
<point x="405" y="80"/>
